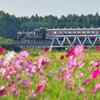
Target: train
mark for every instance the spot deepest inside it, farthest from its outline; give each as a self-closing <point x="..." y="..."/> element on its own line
<point x="43" y="37"/>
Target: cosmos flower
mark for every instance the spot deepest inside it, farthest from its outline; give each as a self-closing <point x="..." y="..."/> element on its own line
<point x="17" y="76"/>
<point x="78" y="50"/>
<point x="62" y="57"/>
<point x="80" y="90"/>
<point x="2" y="92"/>
<point x="46" y="49"/>
<point x="95" y="73"/>
<point x="10" y="55"/>
<point x="97" y="48"/>
<point x="1" y="50"/>
<point x="70" y="53"/>
<point x="39" y="88"/>
<point x="23" y="54"/>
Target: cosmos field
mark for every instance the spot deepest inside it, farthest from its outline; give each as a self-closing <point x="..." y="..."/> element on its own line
<point x="71" y="75"/>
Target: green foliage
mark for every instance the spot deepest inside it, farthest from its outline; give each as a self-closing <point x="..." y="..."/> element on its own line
<point x="4" y="43"/>
<point x="33" y="52"/>
<point x="2" y="39"/>
<point x="9" y="24"/>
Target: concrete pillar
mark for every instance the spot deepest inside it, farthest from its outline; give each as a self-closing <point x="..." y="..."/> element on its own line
<point x="50" y="49"/>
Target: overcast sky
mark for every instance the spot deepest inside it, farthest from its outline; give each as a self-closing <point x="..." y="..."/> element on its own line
<point x="49" y="7"/>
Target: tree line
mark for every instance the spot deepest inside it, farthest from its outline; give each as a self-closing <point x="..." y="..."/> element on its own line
<point x="10" y="24"/>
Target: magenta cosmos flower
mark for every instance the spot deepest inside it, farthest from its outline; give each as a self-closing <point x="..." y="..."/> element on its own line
<point x="46" y="49"/>
<point x="97" y="48"/>
<point x="1" y="50"/>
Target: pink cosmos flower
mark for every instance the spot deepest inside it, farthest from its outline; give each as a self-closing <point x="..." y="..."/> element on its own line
<point x="39" y="88"/>
<point x="30" y="67"/>
<point x="46" y="49"/>
<point x="27" y="89"/>
<point x="80" y="90"/>
<point x="62" y="76"/>
<point x="70" y="53"/>
<point x="62" y="57"/>
<point x="55" y="71"/>
<point x="87" y="82"/>
<point x="17" y="63"/>
<point x="4" y="63"/>
<point x="7" y="77"/>
<point x="23" y="54"/>
<point x="78" y="50"/>
<point x="43" y="61"/>
<point x="70" y="88"/>
<point x="7" y="84"/>
<point x="97" y="48"/>
<point x="2" y="92"/>
<point x="72" y="63"/>
<point x="1" y="50"/>
<point x="1" y="63"/>
<point x="13" y="83"/>
<point x="25" y="81"/>
<point x="42" y="82"/>
<point x="96" y="87"/>
<point x="33" y="95"/>
<point x="97" y="63"/>
<point x="79" y="63"/>
<point x="10" y="68"/>
<point x="95" y="73"/>
<point x="17" y="76"/>
<point x="63" y="69"/>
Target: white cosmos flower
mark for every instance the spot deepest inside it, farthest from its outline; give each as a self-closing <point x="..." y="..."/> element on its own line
<point x="2" y="87"/>
<point x="2" y="71"/>
<point x="10" y="55"/>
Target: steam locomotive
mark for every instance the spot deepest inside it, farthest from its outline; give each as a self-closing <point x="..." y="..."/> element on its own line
<point x="41" y="38"/>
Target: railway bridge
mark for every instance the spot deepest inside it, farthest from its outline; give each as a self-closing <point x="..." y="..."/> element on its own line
<point x="61" y="41"/>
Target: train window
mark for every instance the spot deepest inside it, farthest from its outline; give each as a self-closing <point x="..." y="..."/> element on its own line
<point x="28" y="34"/>
<point x="31" y="34"/>
<point x="65" y="31"/>
<point x="74" y="31"/>
<point x="51" y="33"/>
<point x="97" y="32"/>
<point x="78" y="32"/>
<point x="88" y="32"/>
<point x="69" y="32"/>
<point x="54" y="32"/>
<point x="20" y="35"/>
<point x="47" y="32"/>
<point x="92" y="31"/>
<point x="60" y="32"/>
<point x="83" y="31"/>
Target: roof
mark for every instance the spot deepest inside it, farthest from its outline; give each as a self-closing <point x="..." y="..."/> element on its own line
<point x="74" y="29"/>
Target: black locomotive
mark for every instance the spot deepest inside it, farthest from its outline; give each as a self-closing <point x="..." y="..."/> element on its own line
<point x="30" y="35"/>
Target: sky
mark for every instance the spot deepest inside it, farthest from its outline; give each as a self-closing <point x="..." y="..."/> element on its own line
<point x="57" y="8"/>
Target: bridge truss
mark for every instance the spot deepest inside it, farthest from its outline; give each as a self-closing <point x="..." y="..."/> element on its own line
<point x="72" y="40"/>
